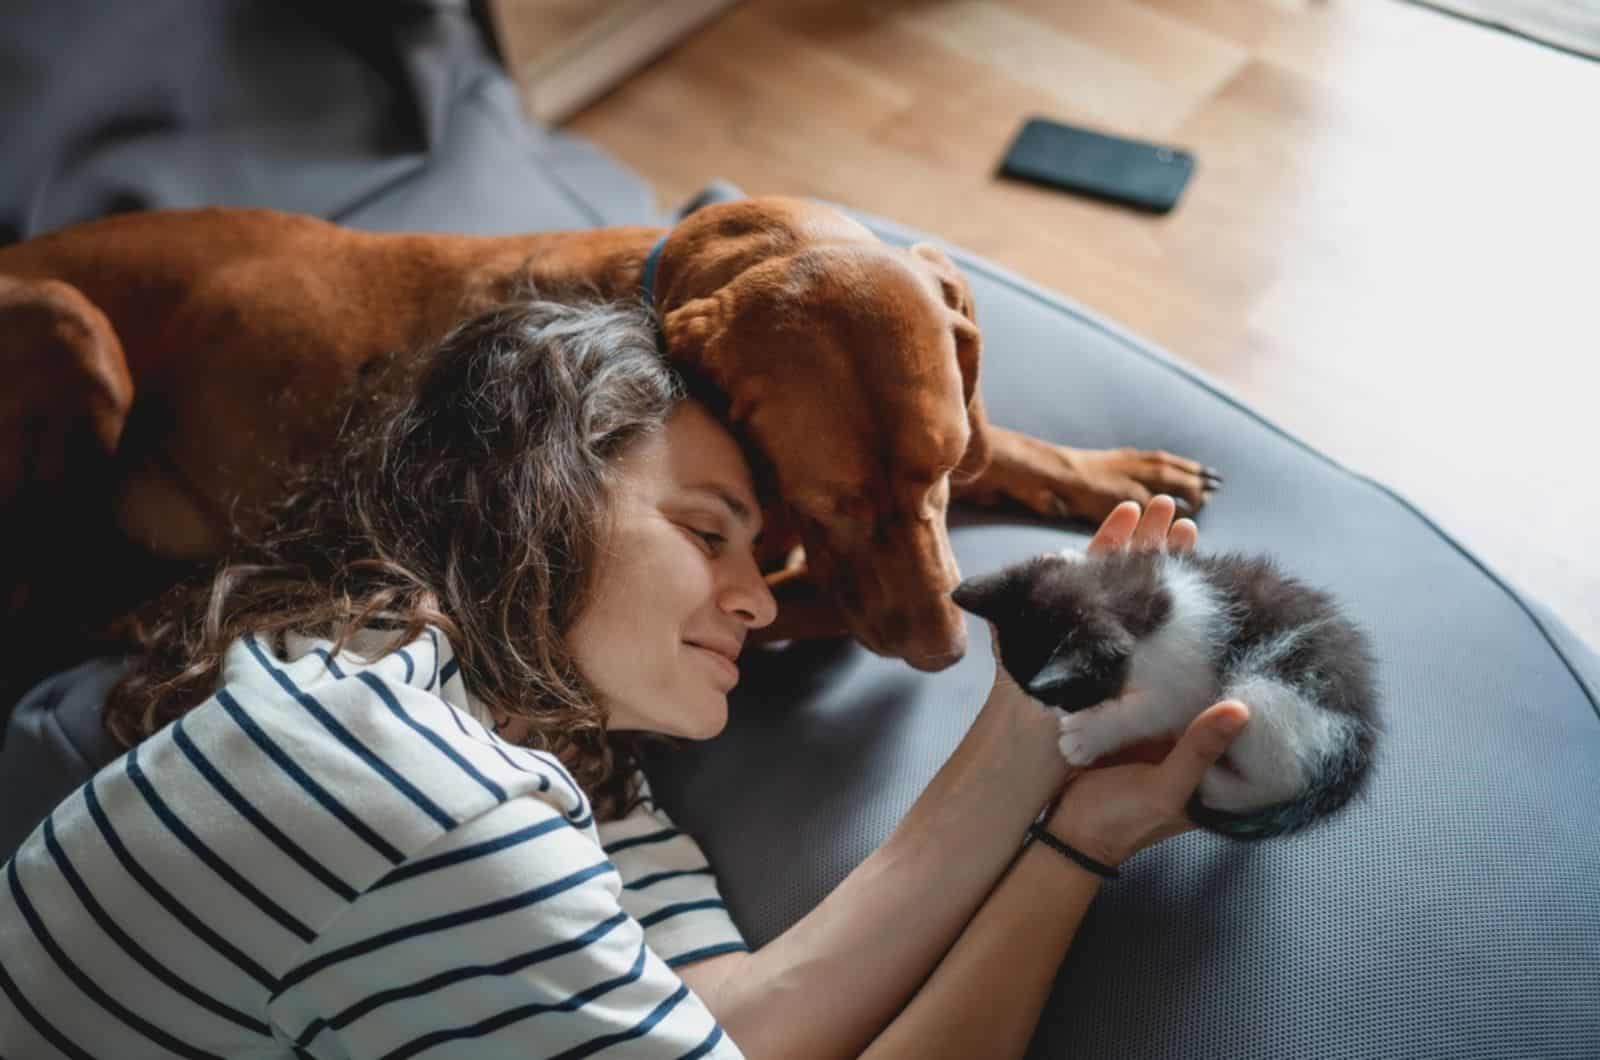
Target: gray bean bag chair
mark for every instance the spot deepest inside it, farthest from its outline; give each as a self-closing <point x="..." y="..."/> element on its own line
<point x="381" y="114"/>
<point x="1452" y="913"/>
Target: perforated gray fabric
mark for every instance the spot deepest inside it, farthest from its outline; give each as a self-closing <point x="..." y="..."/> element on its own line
<point x="377" y="114"/>
<point x="1455" y="912"/>
<point x="52" y="742"/>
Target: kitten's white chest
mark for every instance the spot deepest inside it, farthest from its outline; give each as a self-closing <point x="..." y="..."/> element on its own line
<point x="1174" y="670"/>
<point x="1177" y="663"/>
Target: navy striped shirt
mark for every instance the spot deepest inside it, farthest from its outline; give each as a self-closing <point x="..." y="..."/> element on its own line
<point x="337" y="858"/>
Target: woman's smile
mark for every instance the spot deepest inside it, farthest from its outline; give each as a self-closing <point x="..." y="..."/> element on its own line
<point x="678" y="581"/>
<point x="723" y="662"/>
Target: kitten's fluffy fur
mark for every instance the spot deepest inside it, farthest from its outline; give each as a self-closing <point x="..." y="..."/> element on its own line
<point x="1132" y="646"/>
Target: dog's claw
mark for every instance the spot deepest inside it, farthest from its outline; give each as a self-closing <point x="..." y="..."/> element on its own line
<point x="1059" y="507"/>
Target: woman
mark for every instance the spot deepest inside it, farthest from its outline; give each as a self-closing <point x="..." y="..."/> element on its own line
<point x="361" y="816"/>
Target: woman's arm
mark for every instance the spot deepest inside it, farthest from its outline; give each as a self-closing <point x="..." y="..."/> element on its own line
<point x="1002" y="967"/>
<point x="831" y="983"/>
<point x="1006" y="957"/>
<point x="985" y="996"/>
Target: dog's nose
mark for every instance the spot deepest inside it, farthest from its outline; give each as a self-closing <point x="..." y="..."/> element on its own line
<point x="936" y="662"/>
<point x="931" y="645"/>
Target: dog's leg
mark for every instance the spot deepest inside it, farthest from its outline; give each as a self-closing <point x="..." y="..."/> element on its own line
<point x="1052" y="480"/>
<point x="67" y="391"/>
<point x="1062" y="482"/>
<point x="63" y="405"/>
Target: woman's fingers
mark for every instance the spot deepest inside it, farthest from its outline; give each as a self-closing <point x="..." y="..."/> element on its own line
<point x="1117" y="529"/>
<point x="1202" y="743"/>
<point x="1151" y="534"/>
<point x="1150" y="528"/>
<point x="1183" y="536"/>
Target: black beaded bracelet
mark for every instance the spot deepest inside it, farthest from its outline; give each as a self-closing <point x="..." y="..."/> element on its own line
<point x="1099" y="868"/>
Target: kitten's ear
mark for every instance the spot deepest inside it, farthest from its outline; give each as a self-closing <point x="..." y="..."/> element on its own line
<point x="1058" y="674"/>
<point x="1093" y="663"/>
<point x="985" y="595"/>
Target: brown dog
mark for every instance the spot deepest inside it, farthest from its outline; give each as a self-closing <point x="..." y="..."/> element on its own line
<point x="168" y="365"/>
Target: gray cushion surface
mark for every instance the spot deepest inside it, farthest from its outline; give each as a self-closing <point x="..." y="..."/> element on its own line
<point x="377" y="114"/>
<point x="1455" y="912"/>
<point x="53" y="741"/>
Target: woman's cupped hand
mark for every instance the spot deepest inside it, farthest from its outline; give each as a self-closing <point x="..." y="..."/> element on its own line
<point x="1137" y="796"/>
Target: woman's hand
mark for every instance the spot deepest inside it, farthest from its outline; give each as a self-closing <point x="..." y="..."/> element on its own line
<point x="1137" y="796"/>
<point x="1113" y="812"/>
<point x="1127" y="529"/>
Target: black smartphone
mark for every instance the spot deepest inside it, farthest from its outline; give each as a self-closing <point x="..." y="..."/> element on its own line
<point x="1147" y="175"/>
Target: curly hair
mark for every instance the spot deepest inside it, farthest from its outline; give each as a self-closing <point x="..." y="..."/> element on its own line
<point x="467" y="490"/>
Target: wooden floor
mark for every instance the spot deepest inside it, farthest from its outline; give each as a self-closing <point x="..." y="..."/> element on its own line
<point x="1391" y="245"/>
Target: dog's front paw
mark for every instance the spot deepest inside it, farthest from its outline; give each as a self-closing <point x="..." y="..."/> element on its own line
<point x="1082" y="738"/>
<point x="1097" y="480"/>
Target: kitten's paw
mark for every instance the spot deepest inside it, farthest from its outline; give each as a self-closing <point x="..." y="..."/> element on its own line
<point x="1079" y="743"/>
<point x="1073" y="555"/>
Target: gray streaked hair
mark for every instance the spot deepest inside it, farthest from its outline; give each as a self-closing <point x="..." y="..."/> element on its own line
<point x="468" y="492"/>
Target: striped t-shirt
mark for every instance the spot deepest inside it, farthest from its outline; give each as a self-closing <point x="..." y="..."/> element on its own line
<point x="337" y="858"/>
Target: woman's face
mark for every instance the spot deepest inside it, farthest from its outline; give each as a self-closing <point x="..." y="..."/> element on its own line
<point x="676" y="583"/>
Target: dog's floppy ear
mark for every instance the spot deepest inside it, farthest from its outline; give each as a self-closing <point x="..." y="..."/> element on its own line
<point x="693" y="333"/>
<point x="60" y="352"/>
<point x="969" y="349"/>
<point x="958" y="297"/>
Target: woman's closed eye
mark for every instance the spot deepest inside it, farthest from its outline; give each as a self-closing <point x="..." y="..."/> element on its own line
<point x="714" y="540"/>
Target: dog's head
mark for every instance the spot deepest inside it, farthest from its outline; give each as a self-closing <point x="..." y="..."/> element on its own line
<point x="852" y="367"/>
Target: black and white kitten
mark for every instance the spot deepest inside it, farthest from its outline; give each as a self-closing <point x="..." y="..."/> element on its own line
<point x="1134" y="645"/>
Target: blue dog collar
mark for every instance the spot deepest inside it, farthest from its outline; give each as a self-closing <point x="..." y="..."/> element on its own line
<point x="647" y="290"/>
<point x="647" y="285"/>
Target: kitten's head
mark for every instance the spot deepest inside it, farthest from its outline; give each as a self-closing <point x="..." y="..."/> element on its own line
<point x="1068" y="627"/>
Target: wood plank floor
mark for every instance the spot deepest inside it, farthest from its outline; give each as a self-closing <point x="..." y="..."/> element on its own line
<point x="1389" y="247"/>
